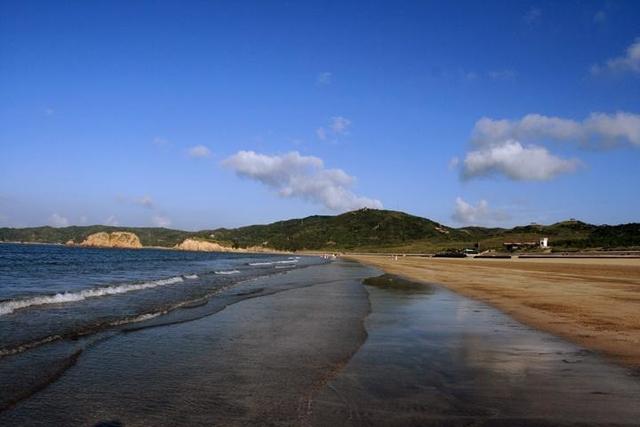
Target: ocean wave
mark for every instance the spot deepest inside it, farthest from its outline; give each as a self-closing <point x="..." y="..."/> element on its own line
<point x="285" y="266"/>
<point x="101" y="327"/>
<point x="227" y="272"/>
<point x="7" y="307"/>
<point x="139" y="318"/>
<point x="291" y="260"/>
<point x="191" y="276"/>
<point x="28" y="346"/>
<point x="8" y="351"/>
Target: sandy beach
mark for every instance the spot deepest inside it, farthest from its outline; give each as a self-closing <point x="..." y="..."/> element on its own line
<point x="594" y="303"/>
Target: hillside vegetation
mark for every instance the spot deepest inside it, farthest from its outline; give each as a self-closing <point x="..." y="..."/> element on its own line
<point x="148" y="236"/>
<point x="367" y="230"/>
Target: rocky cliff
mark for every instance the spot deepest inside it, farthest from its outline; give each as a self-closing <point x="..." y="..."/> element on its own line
<point x="206" y="246"/>
<point x="116" y="239"/>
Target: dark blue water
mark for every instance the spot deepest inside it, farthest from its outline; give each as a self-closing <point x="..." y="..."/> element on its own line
<point x="57" y="301"/>
<point x="28" y="270"/>
<point x="52" y="292"/>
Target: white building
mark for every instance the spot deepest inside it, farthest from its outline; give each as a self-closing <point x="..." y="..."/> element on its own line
<point x="544" y="242"/>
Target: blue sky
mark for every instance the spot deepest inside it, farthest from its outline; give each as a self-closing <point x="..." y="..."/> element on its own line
<point x="204" y="114"/>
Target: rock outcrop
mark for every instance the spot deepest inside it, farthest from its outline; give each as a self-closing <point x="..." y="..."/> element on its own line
<point x="116" y="239"/>
<point x="206" y="246"/>
<point x="202" y="245"/>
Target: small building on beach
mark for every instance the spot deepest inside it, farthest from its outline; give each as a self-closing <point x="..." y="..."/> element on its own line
<point x="543" y="243"/>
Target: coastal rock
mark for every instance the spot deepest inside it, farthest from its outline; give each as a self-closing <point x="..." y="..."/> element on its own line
<point x="207" y="246"/>
<point x="116" y="239"/>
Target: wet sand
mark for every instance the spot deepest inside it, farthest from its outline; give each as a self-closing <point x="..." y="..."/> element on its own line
<point x="593" y="303"/>
<point x="434" y="358"/>
<point x="316" y="346"/>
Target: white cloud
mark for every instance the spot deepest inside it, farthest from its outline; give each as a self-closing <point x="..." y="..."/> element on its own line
<point x="514" y="147"/>
<point x="304" y="177"/>
<point x="112" y="220"/>
<point x="58" y="220"/>
<point x="530" y="127"/>
<point x="340" y="125"/>
<point x="199" y="152"/>
<point x="324" y="78"/>
<point x="160" y="221"/>
<point x="480" y="214"/>
<point x="629" y="62"/>
<point x="599" y="128"/>
<point x="83" y="219"/>
<point x="615" y="127"/>
<point x="517" y="162"/>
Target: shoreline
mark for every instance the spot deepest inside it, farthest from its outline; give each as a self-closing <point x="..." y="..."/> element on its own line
<point x="592" y="303"/>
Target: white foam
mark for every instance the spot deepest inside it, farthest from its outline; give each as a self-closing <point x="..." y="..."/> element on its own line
<point x="260" y="263"/>
<point x="140" y="318"/>
<point x="10" y="306"/>
<point x="288" y="261"/>
<point x="28" y="346"/>
<point x="227" y="272"/>
<point x="191" y="276"/>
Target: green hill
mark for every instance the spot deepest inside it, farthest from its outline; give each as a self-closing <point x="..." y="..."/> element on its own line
<point x="149" y="236"/>
<point x="368" y="230"/>
<point x="362" y="229"/>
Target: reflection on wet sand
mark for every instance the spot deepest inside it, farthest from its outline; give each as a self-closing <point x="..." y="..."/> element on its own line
<point x="433" y="357"/>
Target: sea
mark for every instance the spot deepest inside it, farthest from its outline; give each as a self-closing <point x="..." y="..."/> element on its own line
<point x="55" y="301"/>
<point x="55" y="292"/>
